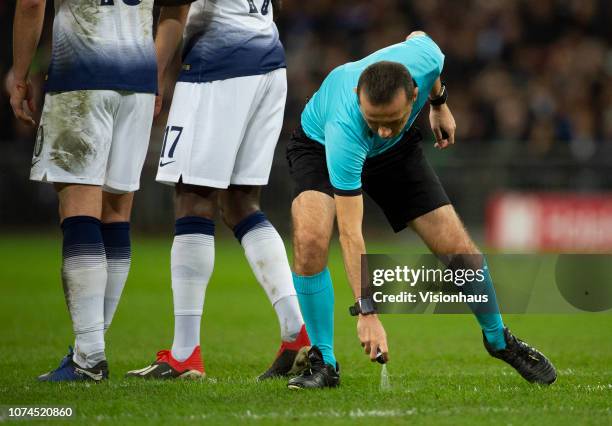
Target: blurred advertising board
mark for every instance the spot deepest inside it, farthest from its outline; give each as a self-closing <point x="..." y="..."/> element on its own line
<point x="519" y="221"/>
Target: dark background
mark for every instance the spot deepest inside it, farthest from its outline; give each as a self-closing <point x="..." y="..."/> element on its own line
<point x="530" y="86"/>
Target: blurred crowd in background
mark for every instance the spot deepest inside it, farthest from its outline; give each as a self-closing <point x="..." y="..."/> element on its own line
<point x="538" y="71"/>
<point x="536" y="74"/>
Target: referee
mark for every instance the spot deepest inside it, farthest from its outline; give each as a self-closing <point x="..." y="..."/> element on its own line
<point x="357" y="135"/>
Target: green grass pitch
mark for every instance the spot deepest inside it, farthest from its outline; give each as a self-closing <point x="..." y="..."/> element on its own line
<point x="439" y="370"/>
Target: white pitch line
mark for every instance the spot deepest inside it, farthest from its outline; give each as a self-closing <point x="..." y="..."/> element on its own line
<point x="330" y="413"/>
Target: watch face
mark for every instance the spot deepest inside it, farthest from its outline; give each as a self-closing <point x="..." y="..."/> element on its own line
<point x="366" y="306"/>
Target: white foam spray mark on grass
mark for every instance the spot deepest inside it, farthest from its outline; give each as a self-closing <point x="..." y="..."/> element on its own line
<point x="340" y="414"/>
<point x="385" y="384"/>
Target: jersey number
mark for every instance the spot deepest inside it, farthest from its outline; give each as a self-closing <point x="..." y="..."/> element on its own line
<point x="169" y="129"/>
<point x="112" y="2"/>
<point x="264" y="7"/>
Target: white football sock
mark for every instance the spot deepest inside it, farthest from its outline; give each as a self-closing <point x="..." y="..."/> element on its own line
<point x="84" y="277"/>
<point x="186" y="335"/>
<point x="192" y="261"/>
<point x="265" y="251"/>
<point x="117" y="276"/>
<point x="116" y="237"/>
<point x="289" y="317"/>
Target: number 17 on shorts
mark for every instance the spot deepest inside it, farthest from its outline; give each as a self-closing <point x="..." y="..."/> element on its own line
<point x="172" y="135"/>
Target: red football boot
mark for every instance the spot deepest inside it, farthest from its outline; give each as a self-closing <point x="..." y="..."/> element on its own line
<point x="291" y="358"/>
<point x="166" y="367"/>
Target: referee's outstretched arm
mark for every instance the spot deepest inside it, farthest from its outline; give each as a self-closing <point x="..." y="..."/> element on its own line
<point x="349" y="211"/>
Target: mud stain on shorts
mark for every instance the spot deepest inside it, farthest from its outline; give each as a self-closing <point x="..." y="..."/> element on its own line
<point x="71" y="151"/>
<point x="72" y="147"/>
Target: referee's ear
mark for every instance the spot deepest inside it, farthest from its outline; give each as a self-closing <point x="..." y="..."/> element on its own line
<point x="415" y="94"/>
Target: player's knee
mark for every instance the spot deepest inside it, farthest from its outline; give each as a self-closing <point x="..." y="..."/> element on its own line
<point x="200" y="209"/>
<point x="79" y="200"/>
<point x="238" y="202"/>
<point x="234" y="213"/>
<point x="193" y="205"/>
<point x="310" y="253"/>
<point x="116" y="207"/>
<point x="455" y="244"/>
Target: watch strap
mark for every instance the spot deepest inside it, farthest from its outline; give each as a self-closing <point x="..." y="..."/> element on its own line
<point x="441" y="98"/>
<point x="363" y="306"/>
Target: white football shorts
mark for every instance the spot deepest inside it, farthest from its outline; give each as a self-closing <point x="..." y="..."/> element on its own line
<point x="93" y="137"/>
<point x="223" y="132"/>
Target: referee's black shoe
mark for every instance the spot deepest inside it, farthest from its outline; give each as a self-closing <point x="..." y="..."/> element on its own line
<point x="529" y="362"/>
<point x="319" y="375"/>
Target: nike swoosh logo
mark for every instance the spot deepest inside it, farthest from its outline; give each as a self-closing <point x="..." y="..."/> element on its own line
<point x="162" y="164"/>
<point x="166" y="372"/>
<point x="94" y="376"/>
<point x="35" y="163"/>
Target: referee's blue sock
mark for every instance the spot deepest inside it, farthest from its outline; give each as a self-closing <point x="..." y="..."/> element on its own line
<point x="316" y="297"/>
<point x="488" y="316"/>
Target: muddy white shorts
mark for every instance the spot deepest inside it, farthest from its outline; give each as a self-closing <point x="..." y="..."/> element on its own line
<point x="223" y="132"/>
<point x="93" y="137"/>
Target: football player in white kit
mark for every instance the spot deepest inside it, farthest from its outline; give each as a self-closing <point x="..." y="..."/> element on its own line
<point x="224" y="123"/>
<point x="91" y="144"/>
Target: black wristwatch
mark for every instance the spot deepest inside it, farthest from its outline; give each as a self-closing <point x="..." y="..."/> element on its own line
<point x="441" y="98"/>
<point x="363" y="306"/>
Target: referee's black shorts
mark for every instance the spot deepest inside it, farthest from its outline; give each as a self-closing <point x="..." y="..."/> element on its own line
<point x="400" y="180"/>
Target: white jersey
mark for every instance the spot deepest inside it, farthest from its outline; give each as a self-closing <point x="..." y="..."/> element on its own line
<point x="230" y="38"/>
<point x="103" y="45"/>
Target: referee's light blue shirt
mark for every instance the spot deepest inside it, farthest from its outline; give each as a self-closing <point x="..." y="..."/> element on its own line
<point x="332" y="116"/>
